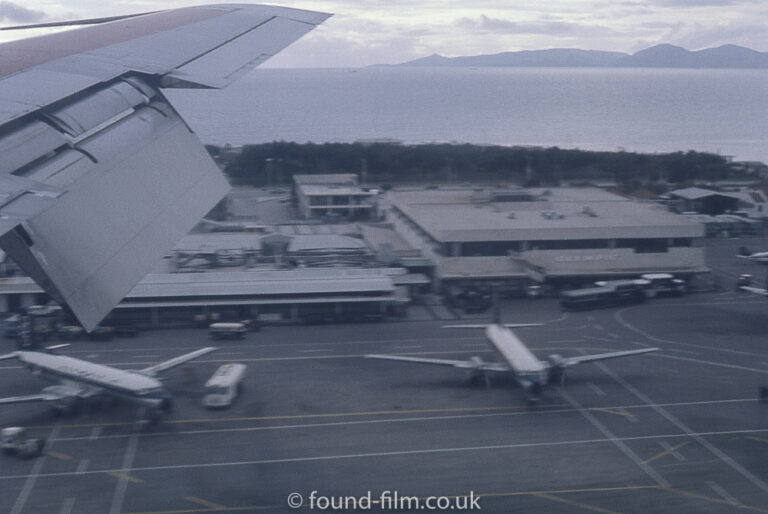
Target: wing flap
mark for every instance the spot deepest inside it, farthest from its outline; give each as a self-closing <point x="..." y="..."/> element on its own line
<point x="176" y="361"/>
<point x="151" y="183"/>
<point x="571" y="361"/>
<point x="100" y="176"/>
<point x="754" y="290"/>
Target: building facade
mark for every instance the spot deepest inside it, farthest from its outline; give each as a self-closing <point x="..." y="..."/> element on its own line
<point x="560" y="236"/>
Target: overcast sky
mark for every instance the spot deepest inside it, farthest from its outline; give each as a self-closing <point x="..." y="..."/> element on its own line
<point x="364" y="32"/>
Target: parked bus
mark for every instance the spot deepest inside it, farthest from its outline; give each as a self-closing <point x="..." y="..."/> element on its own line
<point x="611" y="295"/>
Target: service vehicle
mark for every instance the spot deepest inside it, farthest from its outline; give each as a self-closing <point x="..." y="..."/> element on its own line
<point x="227" y="330"/>
<point x="610" y="294"/>
<point x="224" y="386"/>
<point x="14" y="441"/>
<point x="660" y="284"/>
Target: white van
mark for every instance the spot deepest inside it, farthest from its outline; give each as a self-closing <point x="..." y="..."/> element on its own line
<point x="663" y="284"/>
<point x="223" y="386"/>
<point x="227" y="330"/>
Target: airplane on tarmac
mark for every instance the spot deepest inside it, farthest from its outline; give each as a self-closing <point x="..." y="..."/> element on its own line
<point x="79" y="380"/>
<point x="530" y="372"/>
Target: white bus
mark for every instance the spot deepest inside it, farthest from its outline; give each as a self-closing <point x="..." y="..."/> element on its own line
<point x="224" y="385"/>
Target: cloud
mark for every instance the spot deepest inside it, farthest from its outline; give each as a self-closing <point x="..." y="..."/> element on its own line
<point x="553" y="28"/>
<point x="695" y="36"/>
<point x="697" y="3"/>
<point x="17" y="14"/>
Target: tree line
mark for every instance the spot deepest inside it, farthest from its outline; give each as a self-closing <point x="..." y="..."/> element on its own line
<point x="382" y="163"/>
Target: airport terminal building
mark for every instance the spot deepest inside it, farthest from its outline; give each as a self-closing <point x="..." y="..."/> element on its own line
<point x="563" y="237"/>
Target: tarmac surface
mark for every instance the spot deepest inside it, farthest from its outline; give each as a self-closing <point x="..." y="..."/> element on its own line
<point x="681" y="430"/>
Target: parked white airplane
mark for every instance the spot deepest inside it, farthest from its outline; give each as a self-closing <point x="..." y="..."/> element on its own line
<point x="78" y="380"/>
<point x="761" y="257"/>
<point x="532" y="373"/>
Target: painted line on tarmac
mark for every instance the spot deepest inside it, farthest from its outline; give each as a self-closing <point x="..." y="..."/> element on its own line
<point x="82" y="466"/>
<point x="597" y="390"/>
<point x="616" y="441"/>
<point x="123" y="476"/>
<point x="612" y="411"/>
<point x="204" y="503"/>
<point x="122" y="485"/>
<point x="725" y="495"/>
<point x="512" y="494"/>
<point x="667" y="451"/>
<point x="517" y="410"/>
<point x="618" y="316"/>
<point x="677" y="455"/>
<point x="760" y="484"/>
<point x="57" y="455"/>
<point x="29" y="484"/>
<point x="711" y="363"/>
<point x="397" y="453"/>
<point x="67" y="506"/>
<point x="573" y="503"/>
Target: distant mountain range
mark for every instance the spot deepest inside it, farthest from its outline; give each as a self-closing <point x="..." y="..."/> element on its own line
<point x="659" y="56"/>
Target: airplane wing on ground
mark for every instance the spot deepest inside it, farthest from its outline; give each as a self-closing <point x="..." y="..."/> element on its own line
<point x="100" y="175"/>
<point x="475" y="365"/>
<point x="176" y="361"/>
<point x="572" y="361"/>
<point x="755" y="290"/>
<point x="28" y="398"/>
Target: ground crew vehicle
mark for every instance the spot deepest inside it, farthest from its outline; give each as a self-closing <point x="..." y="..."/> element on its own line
<point x="663" y="284"/>
<point x="227" y="330"/>
<point x="611" y="294"/>
<point x="14" y="441"/>
<point x="224" y="385"/>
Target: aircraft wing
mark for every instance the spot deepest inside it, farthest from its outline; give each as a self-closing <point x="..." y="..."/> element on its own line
<point x="41" y="397"/>
<point x="466" y="364"/>
<point x="100" y="176"/>
<point x="754" y="290"/>
<point x="572" y="361"/>
<point x="176" y="361"/>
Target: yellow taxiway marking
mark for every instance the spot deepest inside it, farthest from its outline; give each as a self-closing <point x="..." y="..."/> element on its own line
<point x="246" y="508"/>
<point x="713" y="500"/>
<point x="755" y="438"/>
<point x="204" y="503"/>
<point x="711" y="363"/>
<point x="57" y="455"/>
<point x="123" y="476"/>
<point x="611" y="411"/>
<point x="315" y="416"/>
<point x="573" y="503"/>
<point x="665" y="452"/>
